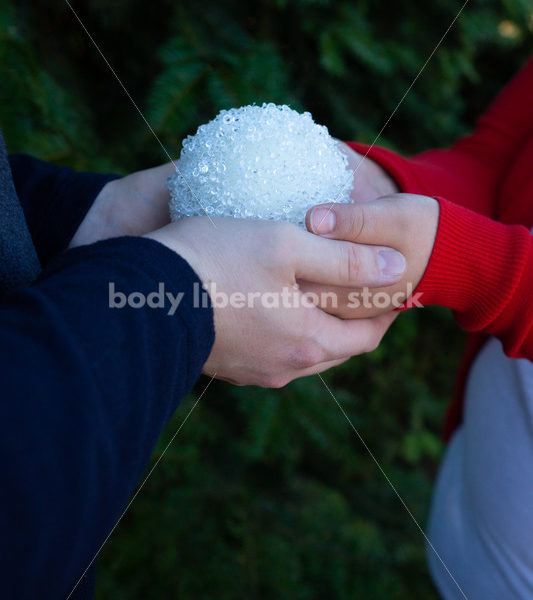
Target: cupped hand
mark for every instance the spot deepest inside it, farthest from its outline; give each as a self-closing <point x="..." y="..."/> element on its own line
<point x="266" y="332"/>
<point x="370" y="180"/>
<point x="138" y="203"/>
<point x="406" y="222"/>
<point x="132" y="205"/>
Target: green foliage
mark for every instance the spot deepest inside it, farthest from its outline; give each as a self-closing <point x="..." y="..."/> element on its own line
<point x="271" y="494"/>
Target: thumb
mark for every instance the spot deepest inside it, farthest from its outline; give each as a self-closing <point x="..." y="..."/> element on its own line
<point x="381" y="221"/>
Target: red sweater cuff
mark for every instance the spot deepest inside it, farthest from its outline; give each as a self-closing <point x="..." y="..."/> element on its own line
<point x="480" y="268"/>
<point x="476" y="265"/>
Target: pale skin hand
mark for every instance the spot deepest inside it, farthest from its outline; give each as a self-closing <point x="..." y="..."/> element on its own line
<point x="133" y="205"/>
<point x="272" y="346"/>
<point x="407" y="222"/>
<point x="281" y="344"/>
<point x="138" y="203"/>
<point x="370" y="180"/>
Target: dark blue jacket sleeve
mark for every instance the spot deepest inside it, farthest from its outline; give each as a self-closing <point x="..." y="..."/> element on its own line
<point x="55" y="200"/>
<point x="86" y="390"/>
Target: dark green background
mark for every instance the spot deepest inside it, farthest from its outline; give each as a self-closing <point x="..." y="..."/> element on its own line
<point x="269" y="494"/>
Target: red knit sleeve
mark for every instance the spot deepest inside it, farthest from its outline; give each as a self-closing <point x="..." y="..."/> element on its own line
<point x="483" y="270"/>
<point x="471" y="172"/>
<point x="480" y="268"/>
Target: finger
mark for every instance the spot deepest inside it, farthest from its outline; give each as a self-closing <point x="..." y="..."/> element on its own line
<point x="341" y="338"/>
<point x="332" y="262"/>
<point x="349" y="303"/>
<point x="383" y="220"/>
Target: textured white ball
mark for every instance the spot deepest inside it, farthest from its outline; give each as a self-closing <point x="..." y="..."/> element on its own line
<point x="263" y="162"/>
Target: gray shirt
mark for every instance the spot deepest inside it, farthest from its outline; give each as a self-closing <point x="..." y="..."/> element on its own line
<point x="481" y="521"/>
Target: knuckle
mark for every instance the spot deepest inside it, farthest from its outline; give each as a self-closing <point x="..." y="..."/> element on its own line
<point x="274" y="382"/>
<point x="375" y="341"/>
<point x="305" y="355"/>
<point x="351" y="267"/>
<point x="373" y="345"/>
<point x="357" y="222"/>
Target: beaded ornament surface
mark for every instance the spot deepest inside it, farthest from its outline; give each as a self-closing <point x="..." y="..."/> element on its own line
<point x="262" y="162"/>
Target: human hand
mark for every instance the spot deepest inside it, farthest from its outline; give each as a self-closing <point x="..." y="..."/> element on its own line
<point x="370" y="180"/>
<point x="406" y="222"/>
<point x="138" y="203"/>
<point x="133" y="205"/>
<point x="259" y="343"/>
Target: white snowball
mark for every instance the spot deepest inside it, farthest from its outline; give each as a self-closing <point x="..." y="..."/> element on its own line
<point x="262" y="162"/>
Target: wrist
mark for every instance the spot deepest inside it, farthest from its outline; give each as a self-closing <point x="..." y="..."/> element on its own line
<point x="98" y="223"/>
<point x="132" y="205"/>
<point x="167" y="236"/>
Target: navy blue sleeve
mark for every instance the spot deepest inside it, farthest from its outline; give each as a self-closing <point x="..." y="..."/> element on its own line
<point x="55" y="200"/>
<point x="86" y="391"/>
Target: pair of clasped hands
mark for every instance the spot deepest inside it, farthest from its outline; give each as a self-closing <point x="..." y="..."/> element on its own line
<point x="382" y="242"/>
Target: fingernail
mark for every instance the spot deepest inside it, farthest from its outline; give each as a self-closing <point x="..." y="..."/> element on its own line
<point x="391" y="263"/>
<point x="323" y="220"/>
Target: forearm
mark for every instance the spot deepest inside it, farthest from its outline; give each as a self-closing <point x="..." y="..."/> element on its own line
<point x="87" y="389"/>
